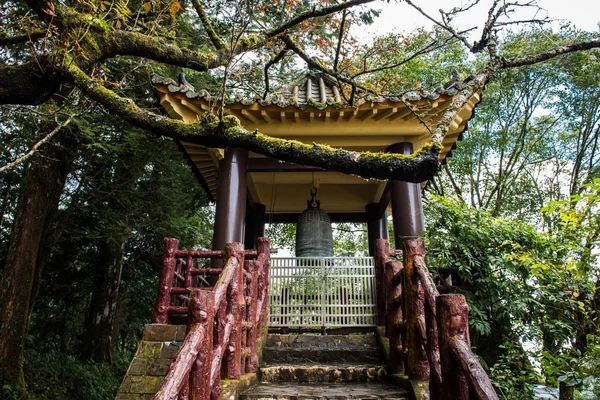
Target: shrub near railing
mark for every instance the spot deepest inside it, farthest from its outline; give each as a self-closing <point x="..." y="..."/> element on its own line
<point x="231" y="312"/>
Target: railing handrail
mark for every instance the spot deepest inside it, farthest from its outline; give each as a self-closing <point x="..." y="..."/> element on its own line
<point x="453" y="368"/>
<point x="199" y="360"/>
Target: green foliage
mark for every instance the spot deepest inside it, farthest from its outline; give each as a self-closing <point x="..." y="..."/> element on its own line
<point x="53" y="375"/>
<point x="512" y="373"/>
<point x="533" y="296"/>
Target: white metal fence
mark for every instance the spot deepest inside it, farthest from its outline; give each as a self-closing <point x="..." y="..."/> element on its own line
<point x="322" y="292"/>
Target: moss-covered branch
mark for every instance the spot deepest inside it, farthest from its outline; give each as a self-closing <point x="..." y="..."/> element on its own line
<point x="211" y="132"/>
<point x="22" y="84"/>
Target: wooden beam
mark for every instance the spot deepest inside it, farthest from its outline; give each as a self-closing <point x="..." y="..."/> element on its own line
<point x="291" y="218"/>
<point x="353" y="115"/>
<point x="282" y="116"/>
<point x="266" y="116"/>
<point x="340" y="116"/>
<point x="248" y="115"/>
<point x="387" y="113"/>
<point x="401" y="114"/>
<point x="297" y="117"/>
<point x="369" y="114"/>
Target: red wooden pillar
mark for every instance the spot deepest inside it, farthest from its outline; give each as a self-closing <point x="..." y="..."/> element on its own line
<point x="407" y="212"/>
<point x="232" y="361"/>
<point x="231" y="199"/>
<point x="163" y="299"/>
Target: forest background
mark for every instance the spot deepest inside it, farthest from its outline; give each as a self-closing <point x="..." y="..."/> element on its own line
<point x="513" y="215"/>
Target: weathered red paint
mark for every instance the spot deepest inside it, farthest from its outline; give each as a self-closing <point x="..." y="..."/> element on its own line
<point x="254" y="270"/>
<point x="163" y="299"/>
<point x="417" y="366"/>
<point x="382" y="249"/>
<point x="431" y="292"/>
<point x="394" y="316"/>
<point x="232" y="358"/>
<point x="264" y="257"/>
<point x="201" y="305"/>
<point x="452" y="319"/>
<point x="224" y="321"/>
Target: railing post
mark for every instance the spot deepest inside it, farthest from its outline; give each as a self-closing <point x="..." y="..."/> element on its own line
<point x="393" y="280"/>
<point x="163" y="299"/>
<point x="414" y="315"/>
<point x="235" y="296"/>
<point x="202" y="311"/>
<point x="462" y="374"/>
<point x="264" y="255"/>
<point x="452" y="319"/>
<point x="382" y="252"/>
<point x="253" y="268"/>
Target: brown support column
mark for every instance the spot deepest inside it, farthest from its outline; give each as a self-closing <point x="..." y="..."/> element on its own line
<point x="406" y="204"/>
<point x="408" y="225"/>
<point x="231" y="199"/>
<point x="256" y="218"/>
<point x="376" y="226"/>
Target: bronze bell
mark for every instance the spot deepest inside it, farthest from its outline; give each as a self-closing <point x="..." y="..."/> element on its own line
<point x="314" y="237"/>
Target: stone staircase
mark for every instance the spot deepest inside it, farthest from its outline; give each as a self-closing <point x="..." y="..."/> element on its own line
<point x="157" y="350"/>
<point x="302" y="367"/>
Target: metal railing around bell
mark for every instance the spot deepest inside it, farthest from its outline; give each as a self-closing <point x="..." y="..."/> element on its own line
<point x="319" y="293"/>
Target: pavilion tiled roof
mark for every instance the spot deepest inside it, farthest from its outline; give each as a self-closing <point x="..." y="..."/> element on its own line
<point x="313" y="89"/>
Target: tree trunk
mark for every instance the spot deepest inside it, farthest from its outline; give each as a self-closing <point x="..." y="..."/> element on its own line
<point x="43" y="186"/>
<point x="565" y="392"/>
<point x="98" y="335"/>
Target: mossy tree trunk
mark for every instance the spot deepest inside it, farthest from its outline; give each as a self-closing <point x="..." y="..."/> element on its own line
<point x="43" y="186"/>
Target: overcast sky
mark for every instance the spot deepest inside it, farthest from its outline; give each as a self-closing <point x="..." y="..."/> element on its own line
<point x="398" y="16"/>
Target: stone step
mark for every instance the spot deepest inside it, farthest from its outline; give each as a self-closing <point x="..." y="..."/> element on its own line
<point x="300" y="349"/>
<point x="322" y="373"/>
<point x="368" y="341"/>
<point x="291" y="391"/>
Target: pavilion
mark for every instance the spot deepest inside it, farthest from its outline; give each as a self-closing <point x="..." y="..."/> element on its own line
<point x="251" y="190"/>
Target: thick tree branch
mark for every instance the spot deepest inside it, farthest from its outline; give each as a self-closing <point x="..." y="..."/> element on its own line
<point x="6" y="40"/>
<point x="417" y="167"/>
<point x="26" y="83"/>
<point x="548" y="54"/>
<point x="314" y="13"/>
<point x="214" y="38"/>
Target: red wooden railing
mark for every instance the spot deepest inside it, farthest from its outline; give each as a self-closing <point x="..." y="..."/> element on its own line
<point x="224" y="319"/>
<point x="428" y="332"/>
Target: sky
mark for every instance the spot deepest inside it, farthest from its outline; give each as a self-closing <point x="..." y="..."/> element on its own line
<point x="398" y="16"/>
